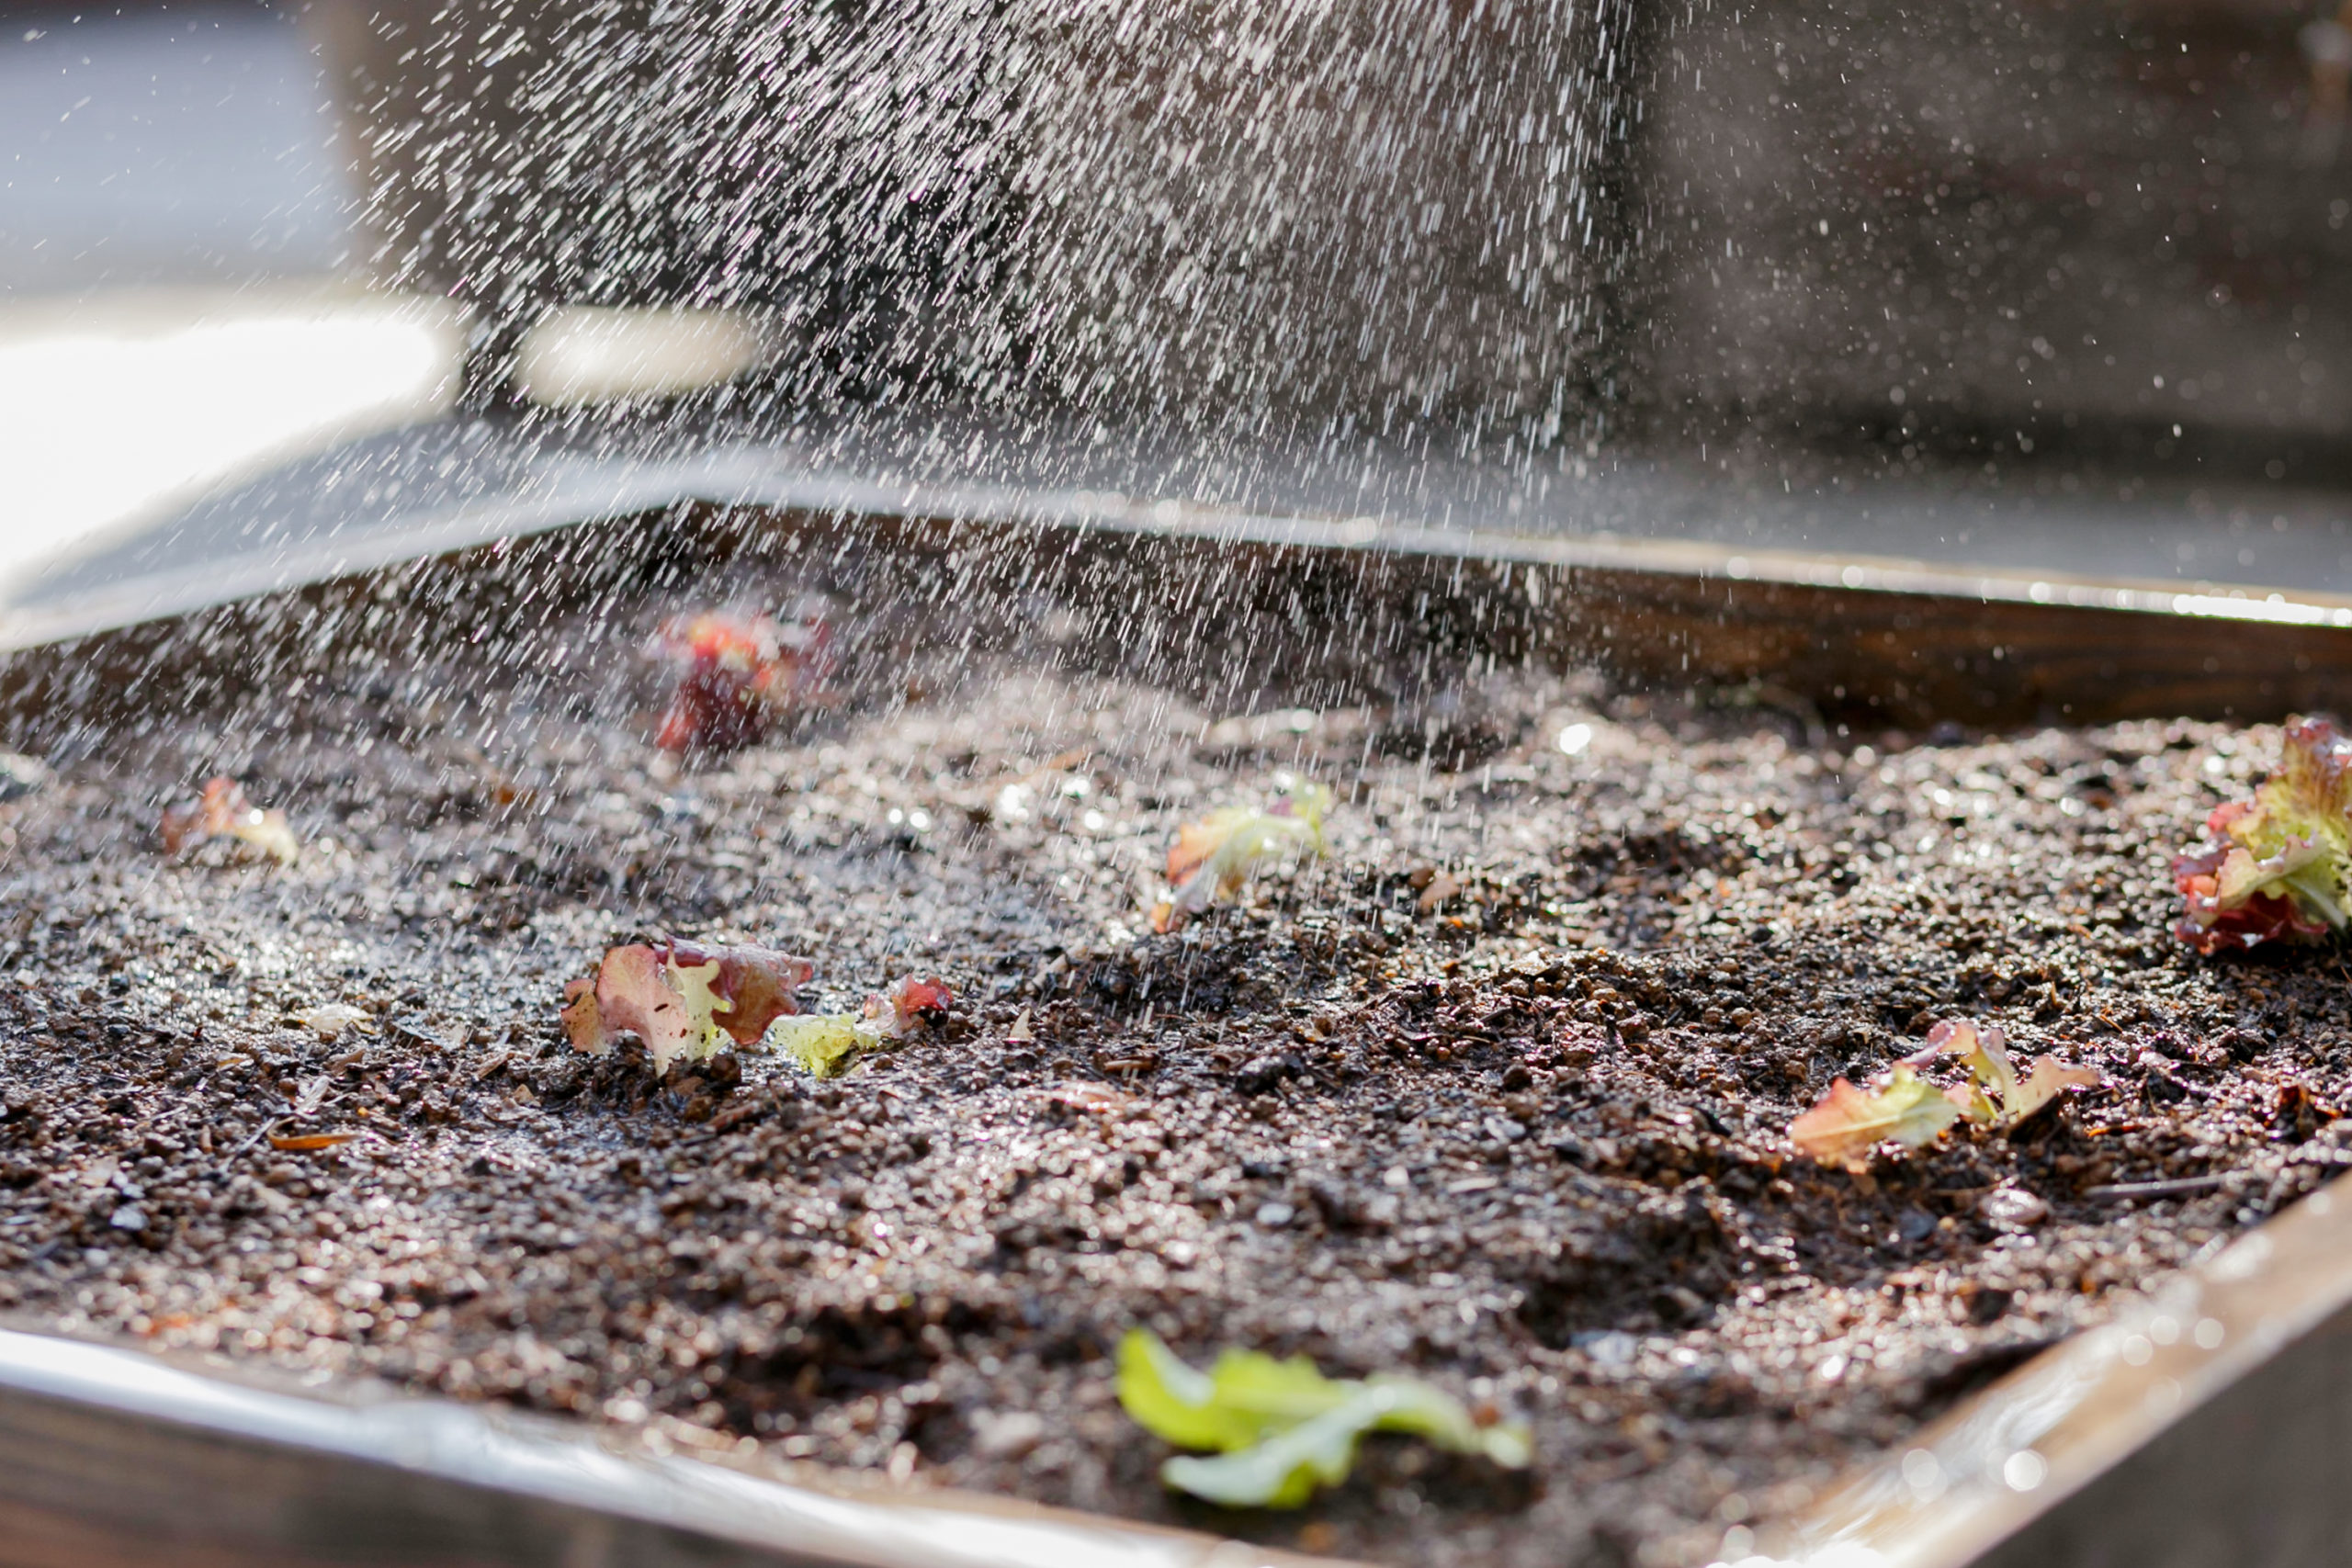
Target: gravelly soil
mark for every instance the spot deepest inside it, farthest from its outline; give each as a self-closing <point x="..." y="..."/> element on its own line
<point x="1526" y="1140"/>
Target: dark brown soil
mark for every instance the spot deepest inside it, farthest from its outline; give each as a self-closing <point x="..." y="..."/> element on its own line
<point x="1527" y="1141"/>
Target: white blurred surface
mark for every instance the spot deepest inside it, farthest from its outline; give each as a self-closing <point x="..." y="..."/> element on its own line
<point x="118" y="408"/>
<point x="584" y="353"/>
<point x="185" y="144"/>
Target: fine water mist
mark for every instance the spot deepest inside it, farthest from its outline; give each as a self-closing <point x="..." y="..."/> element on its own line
<point x="1822" y="239"/>
<point x="1257" y="219"/>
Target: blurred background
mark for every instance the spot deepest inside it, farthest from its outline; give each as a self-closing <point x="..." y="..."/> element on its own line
<point x="165" y="145"/>
<point x="2053" y="285"/>
<point x="177" y="305"/>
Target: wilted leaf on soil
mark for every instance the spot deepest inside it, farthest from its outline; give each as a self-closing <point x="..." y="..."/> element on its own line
<point x="1280" y="1429"/>
<point x="223" y="811"/>
<point x="310" y="1143"/>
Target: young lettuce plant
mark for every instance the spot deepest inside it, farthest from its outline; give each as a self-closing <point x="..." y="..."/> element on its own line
<point x="1906" y="1109"/>
<point x="825" y="1044"/>
<point x="1215" y="856"/>
<point x="1900" y="1108"/>
<point x="223" y="810"/>
<point x="2280" y="867"/>
<point x="683" y="999"/>
<point x="735" y="673"/>
<point x="1997" y="1097"/>
<point x="1280" y="1430"/>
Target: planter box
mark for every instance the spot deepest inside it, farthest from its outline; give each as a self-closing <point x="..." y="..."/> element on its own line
<point x="2197" y="1425"/>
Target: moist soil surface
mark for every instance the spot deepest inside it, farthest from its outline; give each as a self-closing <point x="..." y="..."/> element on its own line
<point x="1495" y="1094"/>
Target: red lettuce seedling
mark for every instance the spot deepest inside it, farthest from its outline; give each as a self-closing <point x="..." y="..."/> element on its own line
<point x="1904" y="1108"/>
<point x="1214" y="857"/>
<point x="736" y="672"/>
<point x="224" y="810"/>
<point x="912" y="1001"/>
<point x="2282" y="862"/>
<point x="682" y="998"/>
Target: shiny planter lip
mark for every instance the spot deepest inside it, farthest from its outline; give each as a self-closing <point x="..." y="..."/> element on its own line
<point x="122" y="1455"/>
<point x="1862" y="605"/>
<point x="453" y="486"/>
<point x="2203" y="1423"/>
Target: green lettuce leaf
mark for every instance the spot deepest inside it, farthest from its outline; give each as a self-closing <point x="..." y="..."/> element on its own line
<point x="825" y="1044"/>
<point x="1849" y="1122"/>
<point x="2045" y="1083"/>
<point x="1280" y="1427"/>
<point x="1283" y="1470"/>
<point x="1998" y="1094"/>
